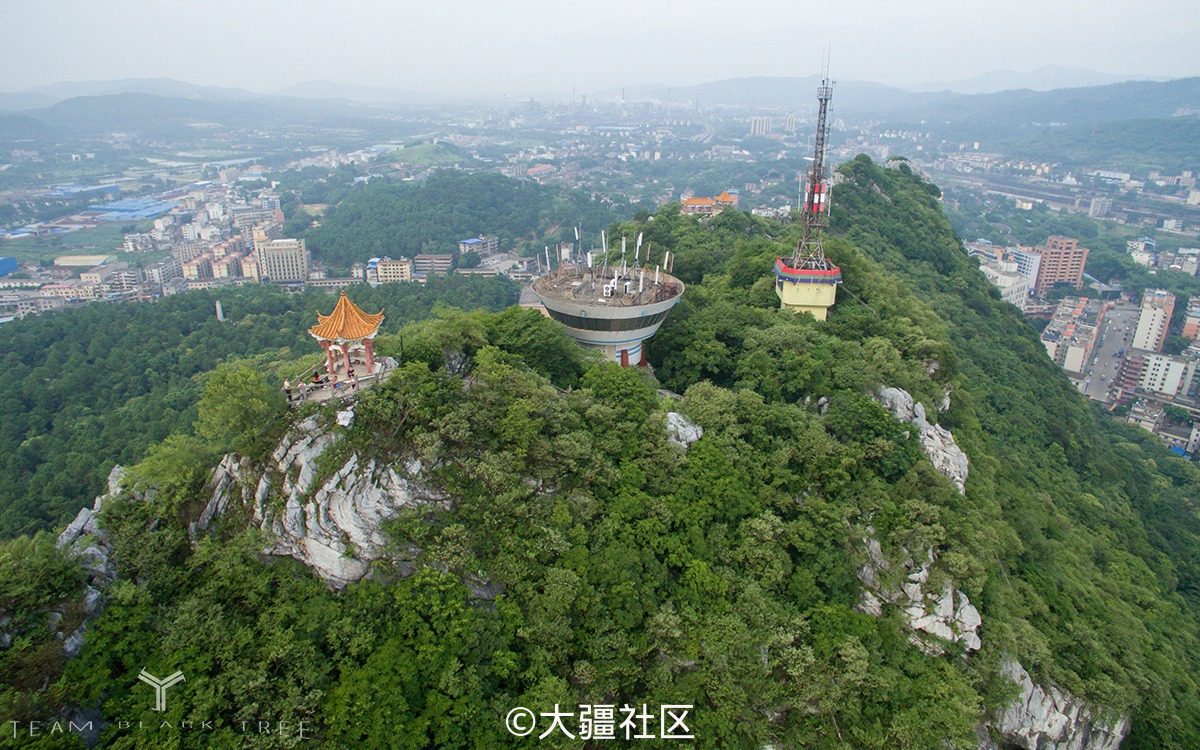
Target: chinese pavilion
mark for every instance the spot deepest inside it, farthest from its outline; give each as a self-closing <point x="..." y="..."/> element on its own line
<point x="347" y="335"/>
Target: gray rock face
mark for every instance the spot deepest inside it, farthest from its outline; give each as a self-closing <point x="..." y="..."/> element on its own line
<point x="937" y="442"/>
<point x="86" y="542"/>
<point x="333" y="528"/>
<point x="1046" y="718"/>
<point x="947" y="614"/>
<point x="1041" y="718"/>
<point x="681" y="431"/>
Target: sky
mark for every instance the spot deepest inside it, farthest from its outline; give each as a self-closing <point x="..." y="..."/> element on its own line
<point x="518" y="47"/>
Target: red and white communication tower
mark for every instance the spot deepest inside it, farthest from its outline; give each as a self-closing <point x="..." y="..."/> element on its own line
<point x="808" y="281"/>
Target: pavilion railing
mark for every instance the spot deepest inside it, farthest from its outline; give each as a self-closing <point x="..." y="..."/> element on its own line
<point x="305" y="388"/>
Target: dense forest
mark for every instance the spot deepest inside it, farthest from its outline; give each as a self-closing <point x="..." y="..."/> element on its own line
<point x="1171" y="145"/>
<point x="383" y="218"/>
<point x="97" y="385"/>
<point x="582" y="557"/>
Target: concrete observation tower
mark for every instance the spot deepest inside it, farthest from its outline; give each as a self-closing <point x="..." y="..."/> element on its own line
<point x="808" y="281"/>
<point x="612" y="308"/>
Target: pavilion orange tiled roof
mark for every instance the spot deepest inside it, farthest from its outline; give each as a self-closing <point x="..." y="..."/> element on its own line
<point x="697" y="201"/>
<point x="346" y="322"/>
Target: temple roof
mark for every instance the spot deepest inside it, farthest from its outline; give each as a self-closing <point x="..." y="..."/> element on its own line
<point x="347" y="322"/>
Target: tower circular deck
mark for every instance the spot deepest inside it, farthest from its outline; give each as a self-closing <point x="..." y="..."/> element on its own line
<point x="609" y="310"/>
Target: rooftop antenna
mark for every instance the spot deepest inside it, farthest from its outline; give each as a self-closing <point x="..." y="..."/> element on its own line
<point x="604" y="248"/>
<point x="814" y="207"/>
<point x="637" y="252"/>
<point x="622" y="256"/>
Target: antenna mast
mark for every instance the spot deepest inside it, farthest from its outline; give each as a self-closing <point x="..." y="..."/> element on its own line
<point x="810" y="251"/>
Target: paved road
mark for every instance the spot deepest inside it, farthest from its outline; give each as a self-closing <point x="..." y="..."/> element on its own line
<point x="1116" y="333"/>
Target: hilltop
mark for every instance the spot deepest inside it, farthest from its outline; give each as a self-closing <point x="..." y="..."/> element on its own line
<point x="854" y="532"/>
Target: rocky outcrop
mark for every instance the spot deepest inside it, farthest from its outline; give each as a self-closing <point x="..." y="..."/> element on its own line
<point x="946" y="614"/>
<point x="85" y="541"/>
<point x="681" y="431"/>
<point x="937" y="442"/>
<point x="1041" y="717"/>
<point x="1046" y="718"/>
<point x="334" y="528"/>
<point x="333" y="523"/>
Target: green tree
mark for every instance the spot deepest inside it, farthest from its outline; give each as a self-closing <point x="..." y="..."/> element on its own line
<point x="239" y="409"/>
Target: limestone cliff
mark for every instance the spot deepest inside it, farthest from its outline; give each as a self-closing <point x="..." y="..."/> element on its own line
<point x="937" y="442"/>
<point x="1046" y="718"/>
<point x="332" y="525"/>
<point x="1041" y="717"/>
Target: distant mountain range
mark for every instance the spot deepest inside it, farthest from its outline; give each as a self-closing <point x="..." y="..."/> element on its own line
<point x="40" y="97"/>
<point x="1045" y="78"/>
<point x="163" y="107"/>
<point x="45" y="96"/>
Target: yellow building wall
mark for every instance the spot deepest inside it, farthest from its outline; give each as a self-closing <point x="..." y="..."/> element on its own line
<point x="814" y="299"/>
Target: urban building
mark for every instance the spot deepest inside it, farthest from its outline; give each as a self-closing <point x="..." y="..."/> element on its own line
<point x="227" y="267"/>
<point x="1191" y="324"/>
<point x="1141" y="244"/>
<point x="1099" y="207"/>
<point x="482" y="245"/>
<point x="264" y="233"/>
<point x="1157" y="306"/>
<point x="1029" y="263"/>
<point x="250" y="269"/>
<point x="1012" y="285"/>
<point x="163" y="271"/>
<point x="1062" y="263"/>
<point x="1072" y="332"/>
<point x="432" y="263"/>
<point x="198" y="268"/>
<point x="282" y="261"/>
<point x="139" y="243"/>
<point x="247" y="217"/>
<point x="388" y="270"/>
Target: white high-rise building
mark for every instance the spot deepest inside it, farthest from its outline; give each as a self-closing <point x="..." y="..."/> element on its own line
<point x="1157" y="306"/>
<point x="282" y="260"/>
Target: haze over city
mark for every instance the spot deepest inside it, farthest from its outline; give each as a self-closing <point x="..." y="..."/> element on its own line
<point x="529" y="46"/>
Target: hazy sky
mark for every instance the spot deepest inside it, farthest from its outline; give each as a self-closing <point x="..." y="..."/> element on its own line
<point x="522" y="46"/>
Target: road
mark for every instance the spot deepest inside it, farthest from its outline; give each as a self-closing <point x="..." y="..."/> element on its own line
<point x="1116" y="333"/>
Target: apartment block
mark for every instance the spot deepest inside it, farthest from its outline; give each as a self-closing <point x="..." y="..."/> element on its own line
<point x="1062" y="263"/>
<point x="1151" y="332"/>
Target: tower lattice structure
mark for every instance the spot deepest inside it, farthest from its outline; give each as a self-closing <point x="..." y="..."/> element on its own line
<point x="810" y="250"/>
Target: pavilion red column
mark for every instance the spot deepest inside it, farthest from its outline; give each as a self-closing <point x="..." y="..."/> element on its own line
<point x="370" y="346"/>
<point x="328" y="358"/>
<point x="624" y="358"/>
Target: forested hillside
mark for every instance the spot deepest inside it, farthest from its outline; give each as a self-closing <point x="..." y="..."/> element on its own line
<point x="577" y="555"/>
<point x="1171" y="145"/>
<point x="89" y="387"/>
<point x="402" y="219"/>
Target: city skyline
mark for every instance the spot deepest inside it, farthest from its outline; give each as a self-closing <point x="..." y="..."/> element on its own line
<point x="531" y="46"/>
